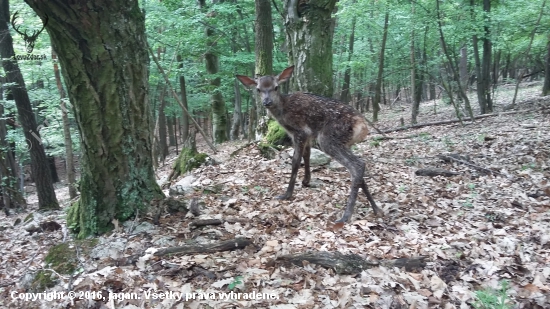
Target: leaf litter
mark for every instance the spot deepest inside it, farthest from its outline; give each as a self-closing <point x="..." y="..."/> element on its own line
<point x="476" y="229"/>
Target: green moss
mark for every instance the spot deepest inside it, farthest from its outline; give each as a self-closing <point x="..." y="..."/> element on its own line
<point x="28" y="218"/>
<point x="73" y="215"/>
<point x="187" y="161"/>
<point x="62" y="259"/>
<point x="276" y="135"/>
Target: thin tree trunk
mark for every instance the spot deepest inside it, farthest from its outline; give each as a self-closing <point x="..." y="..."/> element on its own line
<point x="237" y="113"/>
<point x="12" y="197"/>
<point x="219" y="114"/>
<point x="452" y="67"/>
<point x="345" y="94"/>
<point x="39" y="161"/>
<point x="463" y="68"/>
<point x="69" y="161"/>
<point x="378" y="87"/>
<point x="171" y="134"/>
<point x="416" y="103"/>
<point x="526" y="53"/>
<point x="185" y="118"/>
<point x="546" y="86"/>
<point x="162" y="144"/>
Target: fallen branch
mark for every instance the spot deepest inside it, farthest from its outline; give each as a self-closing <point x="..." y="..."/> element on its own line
<point x="227" y="245"/>
<point x="350" y="263"/>
<point x="436" y="123"/>
<point x="434" y="171"/>
<point x="234" y="153"/>
<point x="204" y="222"/>
<point x="477" y="167"/>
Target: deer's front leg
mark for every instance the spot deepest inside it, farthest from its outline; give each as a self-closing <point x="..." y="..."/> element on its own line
<point x="299" y="144"/>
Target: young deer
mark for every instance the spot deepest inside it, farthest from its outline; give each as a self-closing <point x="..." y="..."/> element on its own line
<point x="305" y="117"/>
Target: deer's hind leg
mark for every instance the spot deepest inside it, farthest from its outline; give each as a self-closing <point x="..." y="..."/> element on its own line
<point x="353" y="164"/>
<point x="306" y="154"/>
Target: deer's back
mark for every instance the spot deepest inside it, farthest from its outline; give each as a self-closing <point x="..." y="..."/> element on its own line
<point x="321" y="116"/>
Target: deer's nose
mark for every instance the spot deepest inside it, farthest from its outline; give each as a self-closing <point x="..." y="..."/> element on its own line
<point x="267" y="102"/>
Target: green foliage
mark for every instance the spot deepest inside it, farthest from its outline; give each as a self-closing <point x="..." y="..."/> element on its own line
<point x="236" y="281"/>
<point x="494" y="299"/>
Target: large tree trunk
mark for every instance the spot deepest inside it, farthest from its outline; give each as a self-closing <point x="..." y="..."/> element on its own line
<point x="105" y="63"/>
<point x="69" y="161"/>
<point x="310" y="31"/>
<point x="264" y="56"/>
<point x="185" y="117"/>
<point x="378" y="87"/>
<point x="219" y="113"/>
<point x="39" y="162"/>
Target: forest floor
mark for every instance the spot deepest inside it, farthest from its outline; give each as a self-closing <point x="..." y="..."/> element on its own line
<point x="483" y="233"/>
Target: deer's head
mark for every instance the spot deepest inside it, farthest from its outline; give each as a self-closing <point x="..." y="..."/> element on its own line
<point x="268" y="86"/>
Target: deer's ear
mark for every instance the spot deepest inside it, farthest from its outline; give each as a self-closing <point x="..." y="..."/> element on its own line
<point x="247" y="81"/>
<point x="285" y="75"/>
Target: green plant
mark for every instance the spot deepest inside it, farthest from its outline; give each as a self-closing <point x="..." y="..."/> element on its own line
<point x="374" y="143"/>
<point x="236" y="281"/>
<point x="493" y="299"/>
<point x="411" y="161"/>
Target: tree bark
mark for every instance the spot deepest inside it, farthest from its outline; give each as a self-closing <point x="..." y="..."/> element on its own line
<point x="378" y="87"/>
<point x="105" y="65"/>
<point x="309" y="29"/>
<point x="39" y="161"/>
<point x="69" y="160"/>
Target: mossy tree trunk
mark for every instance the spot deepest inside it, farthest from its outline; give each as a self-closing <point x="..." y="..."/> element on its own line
<point x="39" y="162"/>
<point x="102" y="50"/>
<point x="310" y="31"/>
<point x="263" y="30"/>
<point x="219" y="113"/>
